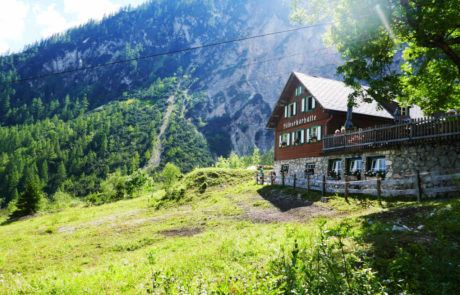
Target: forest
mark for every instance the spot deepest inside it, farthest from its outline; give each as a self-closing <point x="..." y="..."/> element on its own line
<point x="65" y="147"/>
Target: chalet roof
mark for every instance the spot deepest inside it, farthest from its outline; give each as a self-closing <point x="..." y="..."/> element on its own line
<point x="331" y="95"/>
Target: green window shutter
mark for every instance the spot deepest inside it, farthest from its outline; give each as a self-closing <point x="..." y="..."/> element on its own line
<point x="286" y="111"/>
<point x="295" y="109"/>
<point x="302" y="136"/>
<point x="281" y="140"/>
<point x="288" y="139"/>
<point x="319" y="133"/>
<point x="313" y="103"/>
<point x="302" y="107"/>
<point x="308" y="135"/>
<point x="300" y="89"/>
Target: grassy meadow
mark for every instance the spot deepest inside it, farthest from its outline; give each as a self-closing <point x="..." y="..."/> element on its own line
<point x="217" y="231"/>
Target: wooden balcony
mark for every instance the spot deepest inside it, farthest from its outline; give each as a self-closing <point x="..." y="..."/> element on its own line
<point x="429" y="129"/>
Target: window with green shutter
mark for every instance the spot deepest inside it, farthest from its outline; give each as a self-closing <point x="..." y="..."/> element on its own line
<point x="314" y="134"/>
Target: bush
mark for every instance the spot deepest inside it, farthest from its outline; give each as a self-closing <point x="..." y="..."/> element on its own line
<point x="169" y="176"/>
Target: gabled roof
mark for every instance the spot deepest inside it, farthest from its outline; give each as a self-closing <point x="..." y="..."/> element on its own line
<point x="332" y="95"/>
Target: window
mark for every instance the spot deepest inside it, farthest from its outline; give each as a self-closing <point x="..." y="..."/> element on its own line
<point x="405" y="112"/>
<point x="309" y="169"/>
<point x="298" y="91"/>
<point x="377" y="164"/>
<point x="335" y="168"/>
<point x="290" y="110"/>
<point x="311" y="103"/>
<point x="284" y="140"/>
<point x="354" y="165"/>
<point x="298" y="137"/>
<point x="314" y="134"/>
<point x="308" y="104"/>
<point x="284" y="168"/>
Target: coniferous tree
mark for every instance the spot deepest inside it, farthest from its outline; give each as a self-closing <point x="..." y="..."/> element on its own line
<point x="61" y="174"/>
<point x="29" y="201"/>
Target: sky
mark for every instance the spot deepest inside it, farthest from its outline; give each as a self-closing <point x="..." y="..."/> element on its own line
<point x="23" y="22"/>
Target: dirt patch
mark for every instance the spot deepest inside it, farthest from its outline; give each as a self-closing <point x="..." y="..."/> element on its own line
<point x="282" y="207"/>
<point x="183" y="232"/>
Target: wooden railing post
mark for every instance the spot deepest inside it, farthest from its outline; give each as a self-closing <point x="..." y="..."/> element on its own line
<point x="346" y="189"/>
<point x="323" y="187"/>
<point x="379" y="189"/>
<point x="282" y="178"/>
<point x="308" y="183"/>
<point x="418" y="186"/>
<point x="294" y="183"/>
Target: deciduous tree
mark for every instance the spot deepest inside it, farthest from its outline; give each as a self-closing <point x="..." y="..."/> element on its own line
<point x="403" y="49"/>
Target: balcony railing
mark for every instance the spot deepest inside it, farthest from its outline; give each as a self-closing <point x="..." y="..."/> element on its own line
<point x="421" y="129"/>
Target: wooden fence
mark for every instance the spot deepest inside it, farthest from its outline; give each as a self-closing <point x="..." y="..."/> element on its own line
<point x="422" y="129"/>
<point x="416" y="185"/>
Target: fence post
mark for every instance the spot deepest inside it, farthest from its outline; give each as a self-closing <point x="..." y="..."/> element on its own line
<point x="418" y="186"/>
<point x="282" y="178"/>
<point x="379" y="189"/>
<point x="271" y="178"/>
<point x="346" y="189"/>
<point x="323" y="187"/>
<point x="262" y="176"/>
<point x="308" y="183"/>
<point x="295" y="178"/>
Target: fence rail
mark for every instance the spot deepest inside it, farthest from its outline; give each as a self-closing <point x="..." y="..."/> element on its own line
<point x="421" y="129"/>
<point x="417" y="185"/>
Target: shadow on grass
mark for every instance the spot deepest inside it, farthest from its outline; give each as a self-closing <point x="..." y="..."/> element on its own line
<point x="286" y="198"/>
<point x="415" y="248"/>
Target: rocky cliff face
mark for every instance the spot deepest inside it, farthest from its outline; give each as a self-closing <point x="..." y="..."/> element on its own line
<point x="242" y="80"/>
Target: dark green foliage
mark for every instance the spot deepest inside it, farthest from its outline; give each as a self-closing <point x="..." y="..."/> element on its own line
<point x="75" y="155"/>
<point x="184" y="146"/>
<point x="29" y="201"/>
<point x="217" y="134"/>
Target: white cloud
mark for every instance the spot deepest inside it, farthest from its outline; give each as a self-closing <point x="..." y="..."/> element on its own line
<point x="12" y="18"/>
<point x="50" y="20"/>
<point x="89" y="9"/>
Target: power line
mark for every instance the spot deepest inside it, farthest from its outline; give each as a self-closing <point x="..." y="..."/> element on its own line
<point x="271" y="60"/>
<point x="163" y="54"/>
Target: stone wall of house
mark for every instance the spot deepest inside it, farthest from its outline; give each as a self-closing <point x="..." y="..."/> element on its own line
<point x="401" y="162"/>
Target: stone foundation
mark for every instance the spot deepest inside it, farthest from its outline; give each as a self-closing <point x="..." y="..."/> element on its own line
<point x="403" y="162"/>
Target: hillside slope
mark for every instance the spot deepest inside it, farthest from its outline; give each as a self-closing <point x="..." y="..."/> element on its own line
<point x="76" y="149"/>
<point x="235" y="237"/>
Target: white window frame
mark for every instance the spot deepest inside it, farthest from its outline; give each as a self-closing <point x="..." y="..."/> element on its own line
<point x="318" y="133"/>
<point x="336" y="166"/>
<point x="295" y="133"/>
<point x="378" y="164"/>
<point x="284" y="137"/>
<point x="355" y="165"/>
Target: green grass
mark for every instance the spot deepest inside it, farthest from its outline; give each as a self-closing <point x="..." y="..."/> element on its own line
<point x="208" y="241"/>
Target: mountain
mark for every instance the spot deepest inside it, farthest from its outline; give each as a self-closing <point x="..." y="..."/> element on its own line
<point x="217" y="98"/>
<point x="230" y="74"/>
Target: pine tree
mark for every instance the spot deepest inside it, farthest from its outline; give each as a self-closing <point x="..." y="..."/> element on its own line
<point x="61" y="174"/>
<point x="44" y="172"/>
<point x="134" y="163"/>
<point x="29" y="201"/>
